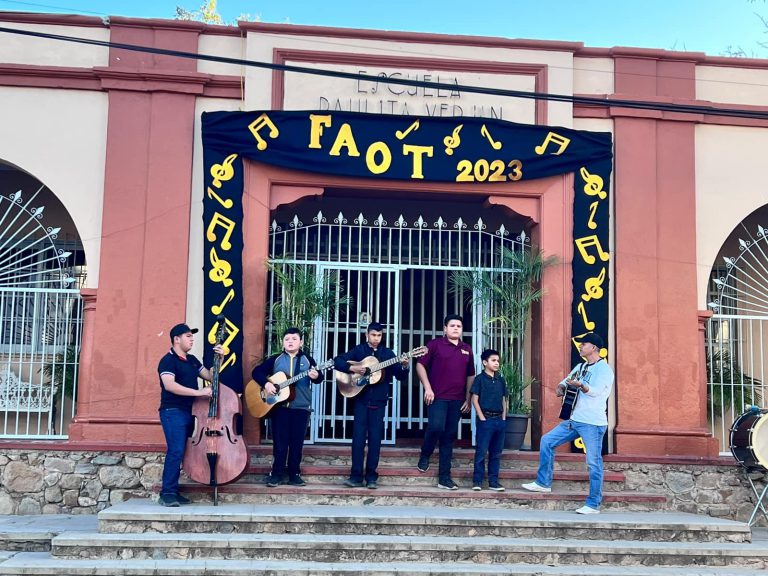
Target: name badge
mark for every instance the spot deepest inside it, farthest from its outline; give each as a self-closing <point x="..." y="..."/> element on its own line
<point x="465" y="351"/>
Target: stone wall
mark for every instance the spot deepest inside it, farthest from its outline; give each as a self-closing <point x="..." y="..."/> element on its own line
<point x="70" y="482"/>
<point x="53" y="482"/>
<point x="721" y="490"/>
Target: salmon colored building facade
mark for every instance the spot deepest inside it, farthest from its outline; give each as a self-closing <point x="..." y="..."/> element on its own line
<point x="115" y="136"/>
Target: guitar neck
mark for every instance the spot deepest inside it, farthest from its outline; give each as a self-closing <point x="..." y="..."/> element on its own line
<point x="387" y="363"/>
<point x="301" y="375"/>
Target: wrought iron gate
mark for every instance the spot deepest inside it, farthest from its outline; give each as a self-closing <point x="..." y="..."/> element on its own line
<point x="395" y="274"/>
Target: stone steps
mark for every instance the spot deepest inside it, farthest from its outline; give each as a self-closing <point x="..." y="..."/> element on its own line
<point x="416" y="495"/>
<point x="40" y="563"/>
<point x="385" y="548"/>
<point x="137" y="517"/>
<point x="399" y="475"/>
<point x="139" y="537"/>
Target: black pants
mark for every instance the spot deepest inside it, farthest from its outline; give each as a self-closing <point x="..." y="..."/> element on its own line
<point x="289" y="427"/>
<point x="369" y="423"/>
<point x="444" y="416"/>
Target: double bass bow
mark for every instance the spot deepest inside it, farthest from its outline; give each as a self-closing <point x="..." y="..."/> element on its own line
<point x="216" y="453"/>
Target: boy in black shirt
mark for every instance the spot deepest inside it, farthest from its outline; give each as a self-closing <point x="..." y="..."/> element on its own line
<point x="370" y="405"/>
<point x="489" y="397"/>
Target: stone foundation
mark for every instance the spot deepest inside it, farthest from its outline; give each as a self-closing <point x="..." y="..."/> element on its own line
<point x="85" y="482"/>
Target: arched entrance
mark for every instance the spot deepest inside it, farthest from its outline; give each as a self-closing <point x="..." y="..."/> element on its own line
<point x="393" y="258"/>
<point x="42" y="267"/>
<point x="737" y="333"/>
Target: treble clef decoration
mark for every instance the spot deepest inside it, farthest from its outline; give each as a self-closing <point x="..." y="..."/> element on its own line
<point x="453" y="141"/>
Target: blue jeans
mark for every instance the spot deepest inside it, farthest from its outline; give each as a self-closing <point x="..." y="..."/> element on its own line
<point x="369" y="423"/>
<point x="443" y="424"/>
<point x="489" y="437"/>
<point x="593" y="442"/>
<point x="177" y="426"/>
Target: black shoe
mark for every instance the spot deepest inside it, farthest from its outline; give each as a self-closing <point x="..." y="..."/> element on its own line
<point x="296" y="481"/>
<point x="423" y="464"/>
<point x="372" y="485"/>
<point x="183" y="499"/>
<point x="353" y="483"/>
<point x="447" y="484"/>
<point x="273" y="481"/>
<point x="168" y="500"/>
<point x="496" y="486"/>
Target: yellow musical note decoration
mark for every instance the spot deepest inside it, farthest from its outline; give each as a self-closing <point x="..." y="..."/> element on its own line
<point x="585" y="242"/>
<point x="224" y="203"/>
<point x="260" y="123"/>
<point x="400" y="135"/>
<point x="226" y="223"/>
<point x="588" y="324"/>
<point x="591" y="224"/>
<point x="219" y="308"/>
<point x="232" y="331"/>
<point x="230" y="361"/>
<point x="556" y="139"/>
<point x="223" y="172"/>
<point x="593" y="184"/>
<point x="594" y="287"/>
<point x="221" y="269"/>
<point x="453" y="141"/>
<point x="495" y="144"/>
<point x="579" y="443"/>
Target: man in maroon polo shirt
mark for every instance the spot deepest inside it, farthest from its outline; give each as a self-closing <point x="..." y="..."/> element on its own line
<point x="446" y="372"/>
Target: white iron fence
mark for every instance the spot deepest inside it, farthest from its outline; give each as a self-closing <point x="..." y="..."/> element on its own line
<point x="737" y="370"/>
<point x="40" y="335"/>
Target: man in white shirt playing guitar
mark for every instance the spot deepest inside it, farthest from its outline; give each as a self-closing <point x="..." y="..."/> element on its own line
<point x="588" y="420"/>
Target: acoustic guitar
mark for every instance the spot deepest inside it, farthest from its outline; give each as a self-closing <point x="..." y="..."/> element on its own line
<point x="260" y="403"/>
<point x="350" y="385"/>
<point x="571" y="395"/>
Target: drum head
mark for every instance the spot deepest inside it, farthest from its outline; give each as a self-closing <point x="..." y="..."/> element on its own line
<point x="760" y="440"/>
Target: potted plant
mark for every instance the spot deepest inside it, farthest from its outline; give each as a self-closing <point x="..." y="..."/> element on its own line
<point x="507" y="293"/>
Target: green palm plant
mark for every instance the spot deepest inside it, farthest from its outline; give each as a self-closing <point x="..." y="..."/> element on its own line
<point x="508" y="292"/>
<point x="728" y="385"/>
<point x="302" y="300"/>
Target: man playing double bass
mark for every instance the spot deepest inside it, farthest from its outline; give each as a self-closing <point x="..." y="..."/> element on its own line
<point x="179" y="372"/>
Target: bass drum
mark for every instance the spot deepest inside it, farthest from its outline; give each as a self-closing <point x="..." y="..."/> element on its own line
<point x="749" y="440"/>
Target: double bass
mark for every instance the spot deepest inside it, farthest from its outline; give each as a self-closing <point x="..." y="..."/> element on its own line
<point x="216" y="453"/>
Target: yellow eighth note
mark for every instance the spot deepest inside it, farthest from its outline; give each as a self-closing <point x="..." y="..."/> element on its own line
<point x="219" y="308"/>
<point x="588" y="324"/>
<point x="223" y="172"/>
<point x="453" y="141"/>
<point x="260" y="123"/>
<point x="593" y="184"/>
<point x="556" y="139"/>
<point x="400" y="134"/>
<point x="594" y="287"/>
<point x="591" y="224"/>
<point x="585" y="242"/>
<point x="213" y="196"/>
<point x="579" y="443"/>
<point x="495" y="144"/>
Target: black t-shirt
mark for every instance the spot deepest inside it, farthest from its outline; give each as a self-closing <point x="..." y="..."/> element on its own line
<point x="490" y="392"/>
<point x="185" y="371"/>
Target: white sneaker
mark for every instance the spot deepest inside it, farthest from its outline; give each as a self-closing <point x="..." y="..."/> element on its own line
<point x="533" y="487"/>
<point x="587" y="510"/>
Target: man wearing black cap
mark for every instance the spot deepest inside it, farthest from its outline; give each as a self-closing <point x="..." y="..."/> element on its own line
<point x="179" y="372"/>
<point x="594" y="379"/>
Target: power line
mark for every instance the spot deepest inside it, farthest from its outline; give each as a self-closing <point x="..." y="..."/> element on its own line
<point x="72" y="10"/>
<point x="567" y="98"/>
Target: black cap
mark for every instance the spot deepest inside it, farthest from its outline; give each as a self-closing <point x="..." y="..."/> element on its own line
<point x="592" y="338"/>
<point x="180" y="329"/>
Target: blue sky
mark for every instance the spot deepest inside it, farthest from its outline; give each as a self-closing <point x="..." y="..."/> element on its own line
<point x="710" y="26"/>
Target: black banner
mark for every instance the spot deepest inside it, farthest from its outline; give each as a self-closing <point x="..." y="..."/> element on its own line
<point x="398" y="148"/>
